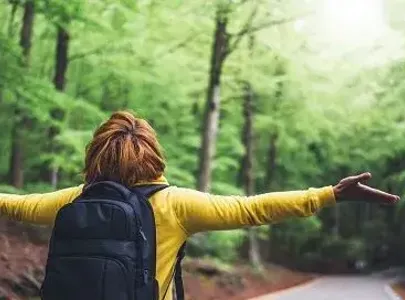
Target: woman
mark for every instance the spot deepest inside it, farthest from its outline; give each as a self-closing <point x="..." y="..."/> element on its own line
<point x="125" y="149"/>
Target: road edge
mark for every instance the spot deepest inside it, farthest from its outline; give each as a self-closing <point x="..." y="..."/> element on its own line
<point x="287" y="290"/>
<point x="390" y="292"/>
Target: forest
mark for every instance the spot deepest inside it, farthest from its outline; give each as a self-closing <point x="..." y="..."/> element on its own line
<point x="247" y="96"/>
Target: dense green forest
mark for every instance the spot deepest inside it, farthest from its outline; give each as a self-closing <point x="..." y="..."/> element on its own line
<point x="246" y="96"/>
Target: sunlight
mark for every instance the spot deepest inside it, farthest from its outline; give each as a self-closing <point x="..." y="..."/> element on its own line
<point x="359" y="21"/>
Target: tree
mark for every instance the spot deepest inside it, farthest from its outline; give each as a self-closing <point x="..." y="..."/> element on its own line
<point x="220" y="49"/>
<point x="224" y="43"/>
<point x="247" y="169"/>
<point x="61" y="65"/>
<point x="248" y="159"/>
<point x="16" y="173"/>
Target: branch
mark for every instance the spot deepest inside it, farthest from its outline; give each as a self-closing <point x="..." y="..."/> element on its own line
<point x="180" y="44"/>
<point x="245" y="29"/>
<point x="249" y="28"/>
<point x="273" y="23"/>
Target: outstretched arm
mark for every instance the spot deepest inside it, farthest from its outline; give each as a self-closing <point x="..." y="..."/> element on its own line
<point x="37" y="208"/>
<point x="197" y="212"/>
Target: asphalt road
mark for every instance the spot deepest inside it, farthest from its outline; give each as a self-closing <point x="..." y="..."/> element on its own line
<point x="337" y="288"/>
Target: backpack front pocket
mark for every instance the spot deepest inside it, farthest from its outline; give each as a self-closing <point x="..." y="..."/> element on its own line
<point x="85" y="278"/>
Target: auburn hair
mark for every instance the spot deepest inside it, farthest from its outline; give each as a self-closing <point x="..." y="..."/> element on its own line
<point x="124" y="149"/>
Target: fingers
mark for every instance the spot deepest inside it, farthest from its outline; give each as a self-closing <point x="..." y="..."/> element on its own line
<point x="378" y="196"/>
<point x="361" y="178"/>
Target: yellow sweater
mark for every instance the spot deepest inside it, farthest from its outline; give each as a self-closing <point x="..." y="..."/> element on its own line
<point x="179" y="213"/>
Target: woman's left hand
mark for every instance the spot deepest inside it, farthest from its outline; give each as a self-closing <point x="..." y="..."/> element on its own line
<point x="353" y="189"/>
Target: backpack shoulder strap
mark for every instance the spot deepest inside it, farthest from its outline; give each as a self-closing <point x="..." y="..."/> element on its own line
<point x="148" y="190"/>
<point x="178" y="277"/>
<point x="124" y="191"/>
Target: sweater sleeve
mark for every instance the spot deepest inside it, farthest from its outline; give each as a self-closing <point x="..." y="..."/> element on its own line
<point x="37" y="208"/>
<point x="197" y="212"/>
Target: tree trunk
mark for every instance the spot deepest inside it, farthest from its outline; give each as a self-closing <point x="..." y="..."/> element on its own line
<point x="61" y="61"/>
<point x="26" y="31"/>
<point x="271" y="161"/>
<point x="212" y="107"/>
<point x="248" y="140"/>
<point x="336" y="227"/>
<point x="10" y="31"/>
<point x="59" y="80"/>
<point x="272" y="153"/>
<point x="16" y="174"/>
<point x="247" y="171"/>
<point x="269" y="178"/>
<point x="254" y="250"/>
<point x="358" y="214"/>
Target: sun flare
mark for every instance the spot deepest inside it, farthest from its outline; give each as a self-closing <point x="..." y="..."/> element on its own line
<point x="348" y="20"/>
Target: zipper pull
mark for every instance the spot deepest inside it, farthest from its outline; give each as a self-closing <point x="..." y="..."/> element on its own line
<point x="145" y="276"/>
<point x="143" y="235"/>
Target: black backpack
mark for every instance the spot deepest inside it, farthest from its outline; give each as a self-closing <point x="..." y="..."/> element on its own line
<point x="103" y="247"/>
